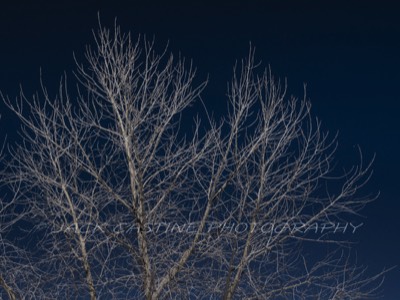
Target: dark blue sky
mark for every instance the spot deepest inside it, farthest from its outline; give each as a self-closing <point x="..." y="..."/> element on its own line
<point x="347" y="52"/>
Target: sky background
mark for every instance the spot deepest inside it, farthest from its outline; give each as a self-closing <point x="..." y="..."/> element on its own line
<point x="347" y="52"/>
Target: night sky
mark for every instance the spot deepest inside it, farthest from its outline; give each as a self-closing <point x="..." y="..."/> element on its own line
<point x="348" y="54"/>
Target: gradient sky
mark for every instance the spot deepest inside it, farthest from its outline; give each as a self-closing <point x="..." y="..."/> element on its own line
<point x="347" y="52"/>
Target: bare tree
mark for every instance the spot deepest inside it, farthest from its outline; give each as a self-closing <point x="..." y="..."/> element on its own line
<point x="123" y="202"/>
